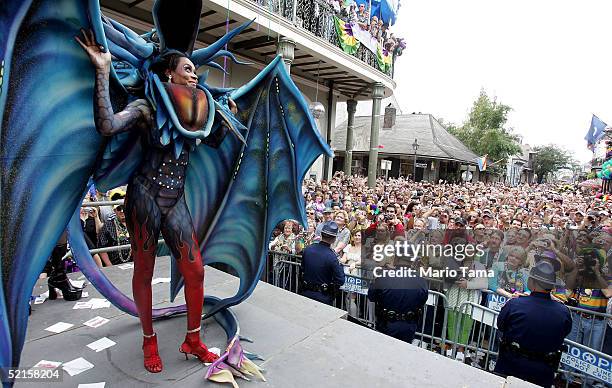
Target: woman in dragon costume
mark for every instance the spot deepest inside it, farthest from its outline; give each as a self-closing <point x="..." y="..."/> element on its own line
<point x="155" y="198"/>
<point x="162" y="130"/>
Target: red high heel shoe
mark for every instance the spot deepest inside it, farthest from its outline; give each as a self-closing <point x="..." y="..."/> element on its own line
<point x="194" y="346"/>
<point x="152" y="361"/>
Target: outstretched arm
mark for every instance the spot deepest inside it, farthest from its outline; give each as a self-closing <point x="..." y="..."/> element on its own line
<point x="109" y="123"/>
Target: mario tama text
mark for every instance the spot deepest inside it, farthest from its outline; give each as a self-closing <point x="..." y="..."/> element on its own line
<point x="428" y="272"/>
<point x="403" y="259"/>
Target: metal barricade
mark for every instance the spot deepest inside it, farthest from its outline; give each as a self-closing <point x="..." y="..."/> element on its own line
<point x="285" y="270"/>
<point x="476" y="332"/>
<point x="431" y="327"/>
<point x="589" y="327"/>
<point x="353" y="299"/>
<point x="584" y="359"/>
<point x="586" y="364"/>
<point x="589" y="365"/>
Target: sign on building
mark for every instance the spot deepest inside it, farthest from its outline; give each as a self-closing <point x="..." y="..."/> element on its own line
<point x="385" y="164"/>
<point x="421" y="165"/>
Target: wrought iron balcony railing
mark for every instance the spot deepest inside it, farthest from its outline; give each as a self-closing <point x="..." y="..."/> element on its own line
<point x="317" y="17"/>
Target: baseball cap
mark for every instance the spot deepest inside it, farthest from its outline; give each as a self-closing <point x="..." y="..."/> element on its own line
<point x="460" y="221"/>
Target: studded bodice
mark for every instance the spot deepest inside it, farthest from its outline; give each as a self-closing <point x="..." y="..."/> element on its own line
<point x="164" y="171"/>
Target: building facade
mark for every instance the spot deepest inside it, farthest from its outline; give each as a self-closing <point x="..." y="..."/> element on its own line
<point x="303" y="32"/>
<point x="519" y="168"/>
<point x="438" y="156"/>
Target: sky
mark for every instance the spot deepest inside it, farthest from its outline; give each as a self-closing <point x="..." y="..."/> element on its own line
<point x="551" y="61"/>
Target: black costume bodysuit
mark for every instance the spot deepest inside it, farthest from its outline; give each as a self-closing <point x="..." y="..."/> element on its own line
<point x="155" y="203"/>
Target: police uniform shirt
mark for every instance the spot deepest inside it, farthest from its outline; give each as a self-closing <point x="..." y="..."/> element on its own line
<point x="320" y="265"/>
<point x="401" y="295"/>
<point x="538" y="324"/>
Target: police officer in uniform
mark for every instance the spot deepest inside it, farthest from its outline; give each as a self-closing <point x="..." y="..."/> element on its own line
<point x="532" y="330"/>
<point x="322" y="273"/>
<point x="399" y="301"/>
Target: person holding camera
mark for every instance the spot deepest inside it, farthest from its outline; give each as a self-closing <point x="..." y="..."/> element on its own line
<point x="533" y="329"/>
<point x="590" y="291"/>
<point x="390" y="218"/>
<point x="321" y="272"/>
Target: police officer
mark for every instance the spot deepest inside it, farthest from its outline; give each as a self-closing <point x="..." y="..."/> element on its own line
<point x="532" y="330"/>
<point x="322" y="273"/>
<point x="399" y="300"/>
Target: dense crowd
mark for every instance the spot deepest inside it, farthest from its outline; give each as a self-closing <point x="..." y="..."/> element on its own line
<point x="568" y="226"/>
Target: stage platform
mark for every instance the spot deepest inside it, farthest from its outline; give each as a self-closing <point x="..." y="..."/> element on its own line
<point x="305" y="344"/>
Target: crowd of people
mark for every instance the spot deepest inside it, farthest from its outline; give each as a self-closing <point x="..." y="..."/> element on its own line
<point x="516" y="227"/>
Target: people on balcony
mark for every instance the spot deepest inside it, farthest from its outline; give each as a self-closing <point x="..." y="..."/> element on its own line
<point x="363" y="17"/>
<point x="374" y="30"/>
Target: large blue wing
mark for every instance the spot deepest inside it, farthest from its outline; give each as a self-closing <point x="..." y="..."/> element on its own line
<point x="48" y="144"/>
<point x="238" y="193"/>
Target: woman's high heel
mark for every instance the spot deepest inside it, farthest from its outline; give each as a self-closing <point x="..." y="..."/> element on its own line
<point x="194" y="346"/>
<point x="152" y="360"/>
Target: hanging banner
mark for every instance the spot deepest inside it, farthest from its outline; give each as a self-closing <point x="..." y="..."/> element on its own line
<point x="365" y="37"/>
<point x="384" y="59"/>
<point x="348" y="42"/>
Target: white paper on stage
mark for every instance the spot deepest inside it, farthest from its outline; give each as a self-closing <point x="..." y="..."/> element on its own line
<point x="41" y="298"/>
<point x="101" y="344"/>
<point x="92" y="385"/>
<point x="47" y="364"/>
<point x="160" y="280"/>
<point x="82" y="305"/>
<point x="77" y="366"/>
<point x="59" y="327"/>
<point x="98" y="303"/>
<point x="96" y="322"/>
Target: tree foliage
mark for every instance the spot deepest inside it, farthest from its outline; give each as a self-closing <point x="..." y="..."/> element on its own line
<point x="549" y="159"/>
<point x="483" y="132"/>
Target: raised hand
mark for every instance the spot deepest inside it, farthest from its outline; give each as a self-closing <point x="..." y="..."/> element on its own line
<point x="99" y="56"/>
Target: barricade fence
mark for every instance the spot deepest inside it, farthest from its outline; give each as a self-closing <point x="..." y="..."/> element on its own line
<point x="466" y="332"/>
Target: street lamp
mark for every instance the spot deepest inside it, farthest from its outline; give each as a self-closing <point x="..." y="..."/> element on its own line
<point x="415" y="147"/>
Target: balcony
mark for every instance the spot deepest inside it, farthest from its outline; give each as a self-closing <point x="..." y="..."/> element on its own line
<point x="318" y="56"/>
<point x="317" y="17"/>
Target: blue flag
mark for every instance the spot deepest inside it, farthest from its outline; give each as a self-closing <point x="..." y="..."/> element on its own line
<point x="596" y="131"/>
